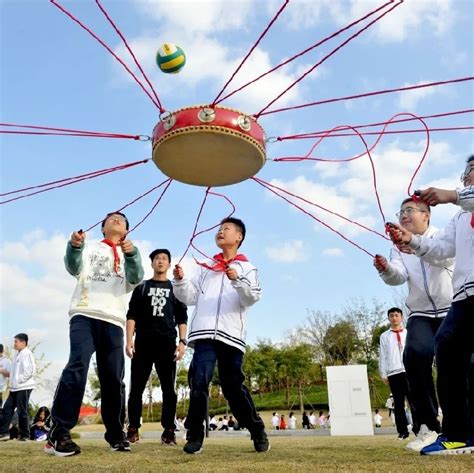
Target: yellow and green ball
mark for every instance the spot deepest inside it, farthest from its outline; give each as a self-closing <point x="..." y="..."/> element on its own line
<point x="170" y="58"/>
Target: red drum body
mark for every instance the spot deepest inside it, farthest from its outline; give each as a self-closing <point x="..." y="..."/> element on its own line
<point x="207" y="146"/>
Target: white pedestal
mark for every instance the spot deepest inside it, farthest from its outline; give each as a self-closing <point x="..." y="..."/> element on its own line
<point x="349" y="400"/>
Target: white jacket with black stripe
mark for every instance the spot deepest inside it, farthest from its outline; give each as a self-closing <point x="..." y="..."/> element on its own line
<point x="457" y="239"/>
<point x="221" y="305"/>
<point x="430" y="289"/>
<point x="391" y="353"/>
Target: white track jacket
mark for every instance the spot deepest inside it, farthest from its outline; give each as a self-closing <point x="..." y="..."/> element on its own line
<point x="23" y="370"/>
<point x="430" y="287"/>
<point x="221" y="305"/>
<point x="457" y="239"/>
<point x="391" y="353"/>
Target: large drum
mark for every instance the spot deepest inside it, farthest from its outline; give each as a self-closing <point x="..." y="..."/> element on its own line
<point x="207" y="146"/>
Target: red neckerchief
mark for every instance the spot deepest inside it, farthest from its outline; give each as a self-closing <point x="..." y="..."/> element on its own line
<point x="472" y="220"/>
<point x="116" y="255"/>
<point x="397" y="332"/>
<point x="220" y="263"/>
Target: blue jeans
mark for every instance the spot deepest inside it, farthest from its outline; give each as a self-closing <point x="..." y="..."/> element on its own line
<point x="454" y="345"/>
<point x="229" y="363"/>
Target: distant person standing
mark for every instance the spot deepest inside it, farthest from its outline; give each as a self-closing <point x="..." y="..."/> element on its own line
<point x="305" y="421"/>
<point x="392" y="370"/>
<point x="275" y="421"/>
<point x="22" y="382"/>
<point x="389" y="405"/>
<point x="292" y="421"/>
<point x="5" y="366"/>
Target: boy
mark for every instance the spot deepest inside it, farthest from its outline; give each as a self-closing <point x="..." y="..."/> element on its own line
<point x="5" y="367"/>
<point x="430" y="292"/>
<point x="454" y="342"/>
<point x="153" y="314"/>
<point x="392" y="371"/>
<point x="221" y="294"/>
<point x="106" y="272"/>
<point x="21" y="373"/>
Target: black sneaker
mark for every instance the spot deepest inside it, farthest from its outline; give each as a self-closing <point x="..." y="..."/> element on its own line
<point x="23" y="439"/>
<point x="403" y="436"/>
<point x="260" y="442"/>
<point x="168" y="437"/>
<point x="133" y="435"/>
<point x="64" y="447"/>
<point x="194" y="443"/>
<point x="121" y="446"/>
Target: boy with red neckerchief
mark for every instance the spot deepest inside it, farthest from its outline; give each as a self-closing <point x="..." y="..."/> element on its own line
<point x="221" y="294"/>
<point x="392" y="370"/>
<point x="106" y="272"/>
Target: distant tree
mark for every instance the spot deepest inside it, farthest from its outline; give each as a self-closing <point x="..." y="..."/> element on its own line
<point x="340" y="342"/>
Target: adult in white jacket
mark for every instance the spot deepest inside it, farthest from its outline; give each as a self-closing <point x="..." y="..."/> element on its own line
<point x="392" y="370"/>
<point x="430" y="293"/>
<point x="221" y="295"/>
<point x="454" y="342"/>
<point x="22" y="382"/>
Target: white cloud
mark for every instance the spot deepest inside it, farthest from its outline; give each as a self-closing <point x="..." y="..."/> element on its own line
<point x="197" y="16"/>
<point x="409" y="99"/>
<point x="288" y="252"/>
<point x="336" y="252"/>
<point x="412" y="17"/>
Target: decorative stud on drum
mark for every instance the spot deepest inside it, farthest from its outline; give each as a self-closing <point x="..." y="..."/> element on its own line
<point x="207" y="146"/>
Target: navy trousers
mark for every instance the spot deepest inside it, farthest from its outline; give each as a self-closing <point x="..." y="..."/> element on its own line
<point x="87" y="336"/>
<point x="229" y="364"/>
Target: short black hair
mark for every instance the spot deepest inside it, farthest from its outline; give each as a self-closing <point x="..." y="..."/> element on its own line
<point x="394" y="309"/>
<point x="1" y="348"/>
<point x="470" y="158"/>
<point x="411" y="199"/>
<point x="158" y="251"/>
<point x="23" y="337"/>
<point x="239" y="224"/>
<point x="116" y="213"/>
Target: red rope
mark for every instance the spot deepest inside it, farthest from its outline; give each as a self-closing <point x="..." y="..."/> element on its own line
<point x="114" y="26"/>
<point x="343" y="160"/>
<point x="371" y="133"/>
<point x="132" y="202"/>
<point x="321" y="207"/>
<point x="66" y="12"/>
<point x="302" y="53"/>
<point x="368" y="94"/>
<point x="258" y="181"/>
<point x="316" y="134"/>
<point x="67" y="181"/>
<point x="154" y="205"/>
<point x="196" y="234"/>
<point x="67" y="131"/>
<point x="344" y="43"/>
<point x="250" y="52"/>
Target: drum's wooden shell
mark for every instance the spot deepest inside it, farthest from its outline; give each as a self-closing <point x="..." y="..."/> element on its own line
<point x="209" y="147"/>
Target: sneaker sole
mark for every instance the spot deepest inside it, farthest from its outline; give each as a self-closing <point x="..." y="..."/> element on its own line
<point x="454" y="451"/>
<point x="197" y="452"/>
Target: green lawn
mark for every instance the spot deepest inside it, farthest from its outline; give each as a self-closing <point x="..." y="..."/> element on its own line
<point x="380" y="453"/>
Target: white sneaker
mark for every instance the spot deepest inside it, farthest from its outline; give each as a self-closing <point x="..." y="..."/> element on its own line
<point x="425" y="437"/>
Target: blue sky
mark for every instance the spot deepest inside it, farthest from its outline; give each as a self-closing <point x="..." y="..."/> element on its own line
<point x="54" y="74"/>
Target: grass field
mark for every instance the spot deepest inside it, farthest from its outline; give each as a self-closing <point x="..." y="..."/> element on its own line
<point x="379" y="453"/>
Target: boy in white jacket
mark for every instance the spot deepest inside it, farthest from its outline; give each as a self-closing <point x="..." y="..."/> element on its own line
<point x="221" y="294"/>
<point x="454" y="342"/>
<point x="392" y="371"/>
<point x="430" y="292"/>
<point x="22" y="382"/>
